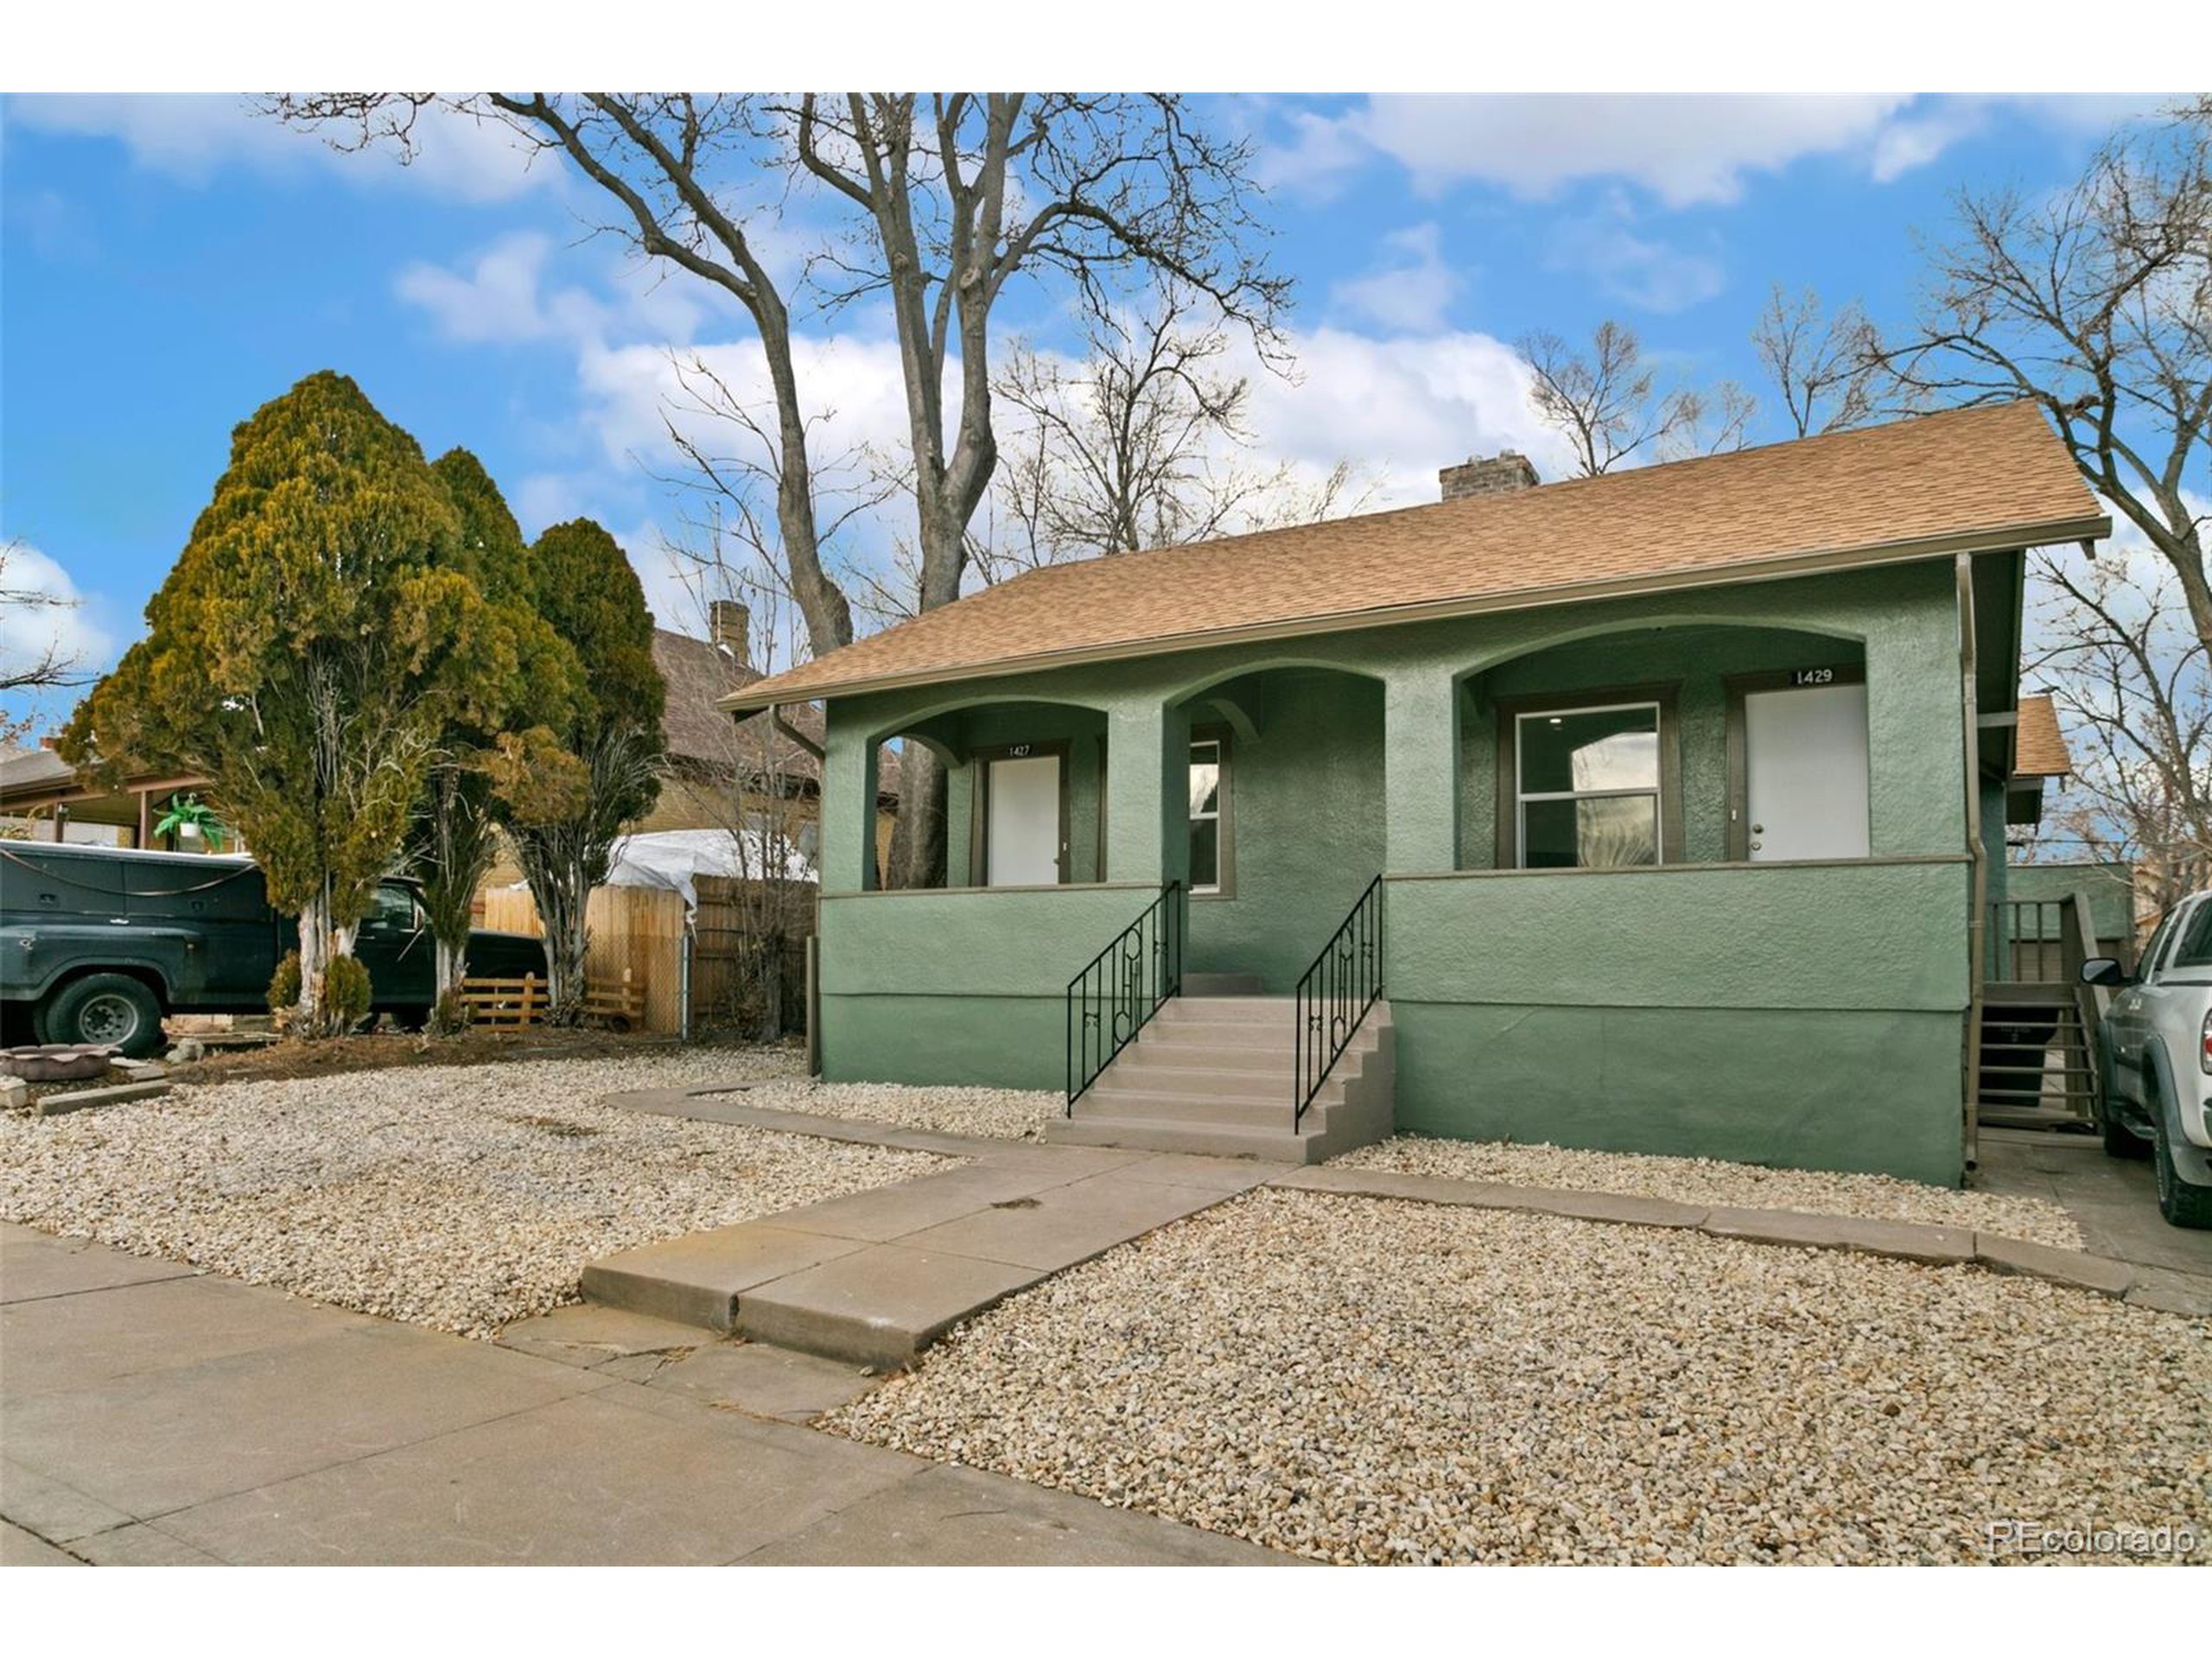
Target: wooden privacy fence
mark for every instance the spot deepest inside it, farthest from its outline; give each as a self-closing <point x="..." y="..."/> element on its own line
<point x="637" y="949"/>
<point x="748" y="944"/>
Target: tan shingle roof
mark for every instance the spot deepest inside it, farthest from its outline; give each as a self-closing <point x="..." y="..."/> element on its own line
<point x="700" y="733"/>
<point x="1978" y="479"/>
<point x="2038" y="747"/>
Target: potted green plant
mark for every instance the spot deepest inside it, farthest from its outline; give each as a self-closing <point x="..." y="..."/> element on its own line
<point x="191" y="819"/>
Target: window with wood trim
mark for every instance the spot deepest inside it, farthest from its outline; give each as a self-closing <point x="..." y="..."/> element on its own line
<point x="1589" y="783"/>
<point x="1209" y="811"/>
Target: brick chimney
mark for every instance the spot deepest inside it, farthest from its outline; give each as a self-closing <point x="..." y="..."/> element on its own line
<point x="1506" y="472"/>
<point x="729" y="625"/>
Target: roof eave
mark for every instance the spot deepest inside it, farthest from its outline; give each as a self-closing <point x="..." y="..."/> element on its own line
<point x="2002" y="539"/>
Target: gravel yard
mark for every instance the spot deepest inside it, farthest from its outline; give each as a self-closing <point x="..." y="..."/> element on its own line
<point x="1706" y="1181"/>
<point x="1000" y="1113"/>
<point x="461" y="1198"/>
<point x="1357" y="1380"/>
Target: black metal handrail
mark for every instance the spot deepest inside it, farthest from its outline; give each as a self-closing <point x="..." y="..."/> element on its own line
<point x="1344" y="981"/>
<point x="1122" y="988"/>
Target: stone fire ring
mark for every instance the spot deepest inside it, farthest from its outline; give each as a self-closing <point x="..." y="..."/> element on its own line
<point x="56" y="1062"/>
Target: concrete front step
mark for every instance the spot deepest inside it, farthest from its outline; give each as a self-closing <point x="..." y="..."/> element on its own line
<point x="1210" y="1086"/>
<point x="1182" y="1134"/>
<point x="1221" y="984"/>
<point x="1281" y="1011"/>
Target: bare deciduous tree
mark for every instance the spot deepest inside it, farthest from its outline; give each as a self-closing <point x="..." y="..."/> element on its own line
<point x="957" y="194"/>
<point x="1817" y="360"/>
<point x="2095" y="302"/>
<point x="2133" y="691"/>
<point x="1611" y="405"/>
<point x="45" y="667"/>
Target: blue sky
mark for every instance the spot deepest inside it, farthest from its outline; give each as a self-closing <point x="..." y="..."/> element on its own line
<point x="167" y="265"/>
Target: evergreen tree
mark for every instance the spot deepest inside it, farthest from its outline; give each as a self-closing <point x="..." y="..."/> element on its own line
<point x="521" y="674"/>
<point x="567" y="791"/>
<point x="305" y="654"/>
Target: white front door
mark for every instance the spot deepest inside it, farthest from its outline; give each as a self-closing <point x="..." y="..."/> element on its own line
<point x="1805" y="761"/>
<point x="1022" y="833"/>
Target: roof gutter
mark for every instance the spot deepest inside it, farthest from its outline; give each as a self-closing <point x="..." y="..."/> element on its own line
<point x="1780" y="569"/>
<point x="776" y="719"/>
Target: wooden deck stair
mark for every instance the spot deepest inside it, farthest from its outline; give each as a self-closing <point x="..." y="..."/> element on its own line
<point x="2038" y="1064"/>
<point x="1212" y="1075"/>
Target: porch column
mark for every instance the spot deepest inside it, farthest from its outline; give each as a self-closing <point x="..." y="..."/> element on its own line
<point x="847" y="807"/>
<point x="1420" y="778"/>
<point x="1147" y="757"/>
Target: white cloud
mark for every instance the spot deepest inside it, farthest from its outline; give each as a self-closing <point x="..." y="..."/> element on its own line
<point x="71" y="627"/>
<point x="1405" y="406"/>
<point x="192" y="137"/>
<point x="1684" y="149"/>
<point x="1634" y="269"/>
<point x="1412" y="291"/>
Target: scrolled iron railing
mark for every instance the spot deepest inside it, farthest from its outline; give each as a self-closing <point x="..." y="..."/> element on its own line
<point x="1122" y="988"/>
<point x="1344" y="981"/>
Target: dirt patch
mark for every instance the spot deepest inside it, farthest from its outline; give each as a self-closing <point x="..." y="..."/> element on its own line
<point x="384" y="1050"/>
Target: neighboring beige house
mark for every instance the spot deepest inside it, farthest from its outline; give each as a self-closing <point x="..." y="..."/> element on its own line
<point x="726" y="774"/>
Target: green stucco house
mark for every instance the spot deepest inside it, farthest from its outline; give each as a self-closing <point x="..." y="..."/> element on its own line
<point x="1651" y="812"/>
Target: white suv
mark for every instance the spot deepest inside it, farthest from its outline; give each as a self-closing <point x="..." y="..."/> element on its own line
<point x="2155" y="1055"/>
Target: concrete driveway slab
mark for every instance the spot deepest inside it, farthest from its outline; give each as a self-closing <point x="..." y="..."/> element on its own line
<point x="73" y="1342"/>
<point x="141" y="1544"/>
<point x="53" y="1509"/>
<point x="750" y="1376"/>
<point x="35" y="1264"/>
<point x="21" y="1549"/>
<point x="591" y="1479"/>
<point x="164" y="1438"/>
<point x="963" y="1517"/>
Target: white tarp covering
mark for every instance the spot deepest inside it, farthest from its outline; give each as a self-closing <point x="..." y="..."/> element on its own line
<point x="674" y="858"/>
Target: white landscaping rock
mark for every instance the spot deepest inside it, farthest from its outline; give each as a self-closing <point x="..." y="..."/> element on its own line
<point x="462" y="1198"/>
<point x="997" y="1114"/>
<point x="1368" y="1381"/>
<point x="15" y="1094"/>
<point x="1709" y="1180"/>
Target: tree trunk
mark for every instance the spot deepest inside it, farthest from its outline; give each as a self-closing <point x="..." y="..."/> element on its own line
<point x="453" y="966"/>
<point x="562" y="910"/>
<point x="917" y="849"/>
<point x="317" y="947"/>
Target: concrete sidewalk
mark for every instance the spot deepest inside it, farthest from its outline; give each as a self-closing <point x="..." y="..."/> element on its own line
<point x="151" y="1414"/>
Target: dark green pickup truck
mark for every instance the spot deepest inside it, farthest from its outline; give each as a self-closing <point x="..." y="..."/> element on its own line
<point x="97" y="944"/>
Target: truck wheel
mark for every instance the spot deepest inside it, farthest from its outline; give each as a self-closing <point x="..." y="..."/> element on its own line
<point x="113" y="1010"/>
<point x="2183" y="1203"/>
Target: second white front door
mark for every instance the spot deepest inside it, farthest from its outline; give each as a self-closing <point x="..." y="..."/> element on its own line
<point x="1805" y="767"/>
<point x="1022" y="831"/>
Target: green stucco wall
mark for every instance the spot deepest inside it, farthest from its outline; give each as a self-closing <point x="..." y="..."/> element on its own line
<point x="1306" y="823"/>
<point x="1669" y="1003"/>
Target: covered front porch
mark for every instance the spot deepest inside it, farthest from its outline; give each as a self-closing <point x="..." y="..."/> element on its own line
<point x="1694" y="879"/>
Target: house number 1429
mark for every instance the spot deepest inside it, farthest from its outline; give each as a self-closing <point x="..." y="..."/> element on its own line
<point x="1812" y="676"/>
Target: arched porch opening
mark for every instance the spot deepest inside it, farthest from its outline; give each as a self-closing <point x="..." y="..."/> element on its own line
<point x="1669" y="744"/>
<point x="1025" y="792"/>
<point x="1280" y="819"/>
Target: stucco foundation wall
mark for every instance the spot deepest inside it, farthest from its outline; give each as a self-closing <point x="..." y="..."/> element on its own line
<point x="1801" y="1088"/>
<point x="997" y="1042"/>
<point x="1807" y="1015"/>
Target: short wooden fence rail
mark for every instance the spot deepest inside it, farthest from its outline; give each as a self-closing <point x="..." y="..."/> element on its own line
<point x="515" y="1003"/>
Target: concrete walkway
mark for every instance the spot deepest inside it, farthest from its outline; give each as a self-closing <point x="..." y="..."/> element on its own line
<point x="152" y="1414"/>
<point x="875" y="1277"/>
